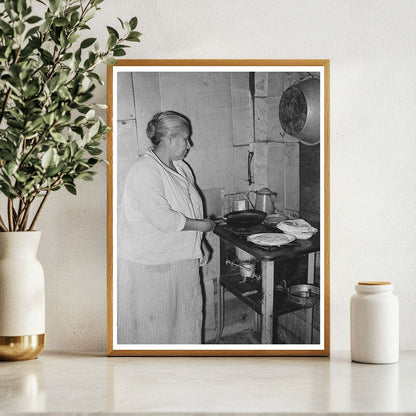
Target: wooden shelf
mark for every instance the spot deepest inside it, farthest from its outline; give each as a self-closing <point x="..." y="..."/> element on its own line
<point x="243" y="290"/>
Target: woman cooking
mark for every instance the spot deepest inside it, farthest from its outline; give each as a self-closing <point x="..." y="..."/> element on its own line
<point x="159" y="242"/>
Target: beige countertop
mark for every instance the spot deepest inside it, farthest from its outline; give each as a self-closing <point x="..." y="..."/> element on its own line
<point x="89" y="383"/>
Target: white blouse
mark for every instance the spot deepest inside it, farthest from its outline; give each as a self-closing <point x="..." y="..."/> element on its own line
<point x="152" y="212"/>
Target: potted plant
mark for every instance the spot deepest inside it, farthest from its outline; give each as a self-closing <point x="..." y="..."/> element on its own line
<point x="50" y="137"/>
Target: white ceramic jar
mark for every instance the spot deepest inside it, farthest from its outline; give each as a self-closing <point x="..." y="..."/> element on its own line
<point x="374" y="323"/>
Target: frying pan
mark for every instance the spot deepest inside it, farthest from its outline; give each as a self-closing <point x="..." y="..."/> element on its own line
<point x="245" y="218"/>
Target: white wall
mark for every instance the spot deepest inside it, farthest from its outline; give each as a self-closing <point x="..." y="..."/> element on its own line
<point x="373" y="148"/>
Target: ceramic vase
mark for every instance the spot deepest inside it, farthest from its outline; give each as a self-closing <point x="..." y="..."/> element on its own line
<point x="374" y="323"/>
<point x="22" y="296"/>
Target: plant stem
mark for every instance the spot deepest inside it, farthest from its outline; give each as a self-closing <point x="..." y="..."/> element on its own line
<point x="10" y="213"/>
<point x="26" y="216"/>
<point x="20" y="214"/>
<point x="39" y="209"/>
<point x="16" y="217"/>
<point x="2" y="224"/>
<point x="3" y="109"/>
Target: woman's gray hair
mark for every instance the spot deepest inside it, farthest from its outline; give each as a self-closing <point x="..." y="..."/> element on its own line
<point x="166" y="123"/>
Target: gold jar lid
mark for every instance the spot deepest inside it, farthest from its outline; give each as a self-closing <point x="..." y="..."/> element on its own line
<point x="374" y="283"/>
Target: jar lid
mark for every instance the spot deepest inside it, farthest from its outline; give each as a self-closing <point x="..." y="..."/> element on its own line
<point x="374" y="283"/>
<point x="373" y="287"/>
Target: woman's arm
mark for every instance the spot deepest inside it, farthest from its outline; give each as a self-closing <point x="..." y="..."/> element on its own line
<point x="204" y="225"/>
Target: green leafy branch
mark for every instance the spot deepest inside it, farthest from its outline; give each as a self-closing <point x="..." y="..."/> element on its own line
<point x="50" y="134"/>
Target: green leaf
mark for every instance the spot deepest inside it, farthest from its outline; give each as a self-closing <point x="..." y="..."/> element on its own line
<point x="111" y="30"/>
<point x="63" y="41"/>
<point x="4" y="145"/>
<point x="74" y="18"/>
<point x="94" y="151"/>
<point x="33" y="19"/>
<point x="70" y="188"/>
<point x="52" y="171"/>
<point x="54" y="4"/>
<point x="10" y="8"/>
<point x="89" y="15"/>
<point x="11" y="168"/>
<point x="20" y="28"/>
<point x="82" y="166"/>
<point x="21" y="177"/>
<point x="94" y="129"/>
<point x="16" y="124"/>
<point x="35" y="125"/>
<point x="133" y="37"/>
<point x="133" y="23"/>
<point x="90" y="115"/>
<point x="119" y="52"/>
<point x="73" y="38"/>
<point x="112" y="41"/>
<point x="87" y="42"/>
<point x="122" y="23"/>
<point x="8" y="191"/>
<point x="67" y="56"/>
<point x="47" y="158"/>
<point x="48" y="118"/>
<point x="21" y="5"/>
<point x="27" y="11"/>
<point x="82" y="98"/>
<point x="53" y="83"/>
<point x="31" y="31"/>
<point x="110" y="60"/>
<point x="92" y="161"/>
<point x="46" y="56"/>
<point x="61" y="21"/>
<point x="31" y="90"/>
<point x="67" y="153"/>
<point x="58" y="137"/>
<point x="86" y="176"/>
<point x="5" y="28"/>
<point x="96" y="77"/>
<point x="78" y="154"/>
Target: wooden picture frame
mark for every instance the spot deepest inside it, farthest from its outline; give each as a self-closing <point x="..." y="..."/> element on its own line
<point x="289" y="125"/>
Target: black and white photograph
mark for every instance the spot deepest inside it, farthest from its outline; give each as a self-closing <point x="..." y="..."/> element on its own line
<point x="218" y="216"/>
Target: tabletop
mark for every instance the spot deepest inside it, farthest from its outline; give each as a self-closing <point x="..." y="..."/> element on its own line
<point x="90" y="383"/>
<point x="296" y="249"/>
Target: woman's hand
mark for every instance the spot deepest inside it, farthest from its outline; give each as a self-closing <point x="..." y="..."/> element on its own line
<point x="209" y="225"/>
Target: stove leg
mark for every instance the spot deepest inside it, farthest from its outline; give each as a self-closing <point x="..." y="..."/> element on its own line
<point x="220" y="312"/>
<point x="311" y="268"/>
<point x="267" y="272"/>
<point x="309" y="311"/>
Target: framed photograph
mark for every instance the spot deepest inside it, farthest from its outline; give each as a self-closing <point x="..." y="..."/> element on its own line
<point x="218" y="208"/>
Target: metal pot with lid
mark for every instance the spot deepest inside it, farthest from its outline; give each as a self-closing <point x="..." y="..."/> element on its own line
<point x="265" y="200"/>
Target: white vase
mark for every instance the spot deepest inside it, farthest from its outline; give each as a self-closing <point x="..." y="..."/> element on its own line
<point x="22" y="296"/>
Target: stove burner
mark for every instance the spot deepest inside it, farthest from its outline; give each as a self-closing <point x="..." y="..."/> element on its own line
<point x="245" y="232"/>
<point x="255" y="229"/>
